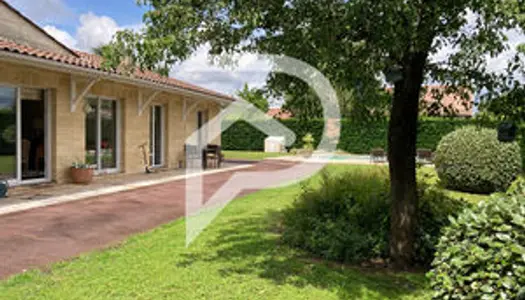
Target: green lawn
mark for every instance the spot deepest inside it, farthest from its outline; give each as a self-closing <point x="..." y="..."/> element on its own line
<point x="239" y="256"/>
<point x="250" y="155"/>
<point x="433" y="179"/>
<point x="7" y="164"/>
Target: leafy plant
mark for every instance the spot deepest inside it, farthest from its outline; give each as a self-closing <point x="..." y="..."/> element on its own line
<point x="346" y="218"/>
<point x="80" y="165"/>
<point x="342" y="219"/>
<point x="473" y="160"/>
<point x="481" y="254"/>
<point x="517" y="187"/>
<point x="308" y="142"/>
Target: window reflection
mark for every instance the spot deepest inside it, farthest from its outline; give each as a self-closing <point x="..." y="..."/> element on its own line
<point x="7" y="133"/>
<point x="101" y="133"/>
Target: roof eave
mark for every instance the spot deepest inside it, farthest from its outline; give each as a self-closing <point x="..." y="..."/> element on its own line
<point x="83" y="71"/>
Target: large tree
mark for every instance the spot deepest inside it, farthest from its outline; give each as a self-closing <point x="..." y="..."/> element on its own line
<point x="352" y="42"/>
<point x="255" y="96"/>
<point x="370" y="103"/>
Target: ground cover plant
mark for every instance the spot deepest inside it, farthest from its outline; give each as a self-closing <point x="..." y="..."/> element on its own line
<point x="481" y="255"/>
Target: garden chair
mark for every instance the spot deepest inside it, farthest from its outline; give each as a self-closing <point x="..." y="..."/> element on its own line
<point x="213" y="154"/>
<point x="424" y="155"/>
<point x="377" y="155"/>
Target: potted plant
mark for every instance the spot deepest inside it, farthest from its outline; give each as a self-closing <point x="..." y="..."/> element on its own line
<point x="81" y="173"/>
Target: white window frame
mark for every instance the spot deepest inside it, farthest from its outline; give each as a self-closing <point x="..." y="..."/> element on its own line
<point x="152" y="135"/>
<point x="98" y="170"/>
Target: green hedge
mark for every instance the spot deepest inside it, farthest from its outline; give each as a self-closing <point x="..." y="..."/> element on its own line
<point x="356" y="137"/>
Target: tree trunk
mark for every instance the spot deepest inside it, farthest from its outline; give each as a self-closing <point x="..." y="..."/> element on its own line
<point x="402" y="136"/>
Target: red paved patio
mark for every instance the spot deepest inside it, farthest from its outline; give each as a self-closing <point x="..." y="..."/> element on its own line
<point x="38" y="237"/>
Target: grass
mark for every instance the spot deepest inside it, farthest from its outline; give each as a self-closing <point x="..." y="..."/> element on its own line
<point x="7" y="164"/>
<point x="239" y="256"/>
<point x="432" y="178"/>
<point x="250" y="155"/>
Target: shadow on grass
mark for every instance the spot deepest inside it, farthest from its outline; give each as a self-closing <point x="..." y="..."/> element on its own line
<point x="250" y="246"/>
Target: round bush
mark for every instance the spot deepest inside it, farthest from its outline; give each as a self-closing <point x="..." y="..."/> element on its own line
<point x="472" y="159"/>
<point x="347" y="218"/>
<point x="481" y="254"/>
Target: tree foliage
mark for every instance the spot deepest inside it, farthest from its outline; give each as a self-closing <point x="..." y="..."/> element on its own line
<point x="510" y="106"/>
<point x="254" y="96"/>
<point x="369" y="103"/>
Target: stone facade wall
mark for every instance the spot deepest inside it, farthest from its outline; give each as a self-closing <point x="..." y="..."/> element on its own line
<point x="68" y="128"/>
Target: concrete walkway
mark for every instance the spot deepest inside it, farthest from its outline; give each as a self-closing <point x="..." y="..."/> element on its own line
<point x="37" y="237"/>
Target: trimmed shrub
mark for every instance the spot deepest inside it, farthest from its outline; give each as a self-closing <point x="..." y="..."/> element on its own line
<point x="347" y="218"/>
<point x="472" y="159"/>
<point x="481" y="254"/>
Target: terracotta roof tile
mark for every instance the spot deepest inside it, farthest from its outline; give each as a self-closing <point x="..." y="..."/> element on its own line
<point x="449" y="104"/>
<point x="91" y="61"/>
<point x="279" y="113"/>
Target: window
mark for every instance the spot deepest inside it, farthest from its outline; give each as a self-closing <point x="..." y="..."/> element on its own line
<point x="202" y="118"/>
<point x="102" y="134"/>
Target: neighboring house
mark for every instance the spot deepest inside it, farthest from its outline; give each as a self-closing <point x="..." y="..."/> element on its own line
<point x="278" y="113"/>
<point x="57" y="106"/>
<point x="451" y="104"/>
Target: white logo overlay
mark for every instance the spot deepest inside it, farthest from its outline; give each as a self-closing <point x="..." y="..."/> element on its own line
<point x="201" y="209"/>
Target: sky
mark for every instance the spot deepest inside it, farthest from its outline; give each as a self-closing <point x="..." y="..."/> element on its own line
<point x="85" y="24"/>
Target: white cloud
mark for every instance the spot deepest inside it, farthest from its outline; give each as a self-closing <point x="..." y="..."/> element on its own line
<point x="95" y="31"/>
<point x="92" y="32"/>
<point x="43" y="11"/>
<point x="61" y="35"/>
<point x="200" y="71"/>
<point x="499" y="63"/>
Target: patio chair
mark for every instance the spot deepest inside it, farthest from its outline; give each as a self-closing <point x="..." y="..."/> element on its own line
<point x="213" y="154"/>
<point x="377" y="155"/>
<point x="425" y="155"/>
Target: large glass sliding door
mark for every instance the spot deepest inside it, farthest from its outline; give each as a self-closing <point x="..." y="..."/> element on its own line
<point x="24" y="135"/>
<point x="102" y="134"/>
<point x="33" y="133"/>
<point x="8" y="133"/>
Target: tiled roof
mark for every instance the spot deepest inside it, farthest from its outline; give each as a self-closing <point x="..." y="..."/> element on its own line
<point x="94" y="62"/>
<point x="449" y="104"/>
<point x="279" y="113"/>
<point x="453" y="102"/>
